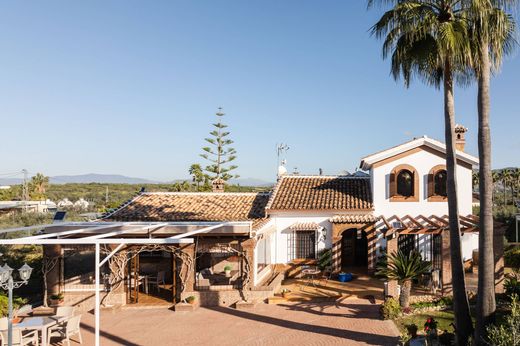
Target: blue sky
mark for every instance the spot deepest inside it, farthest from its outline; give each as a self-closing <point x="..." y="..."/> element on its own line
<point x="131" y="87"/>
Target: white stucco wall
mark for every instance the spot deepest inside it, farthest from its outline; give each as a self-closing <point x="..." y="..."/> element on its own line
<point x="423" y="162"/>
<point x="283" y="222"/>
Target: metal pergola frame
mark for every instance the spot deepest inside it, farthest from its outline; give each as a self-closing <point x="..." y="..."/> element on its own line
<point x="83" y="233"/>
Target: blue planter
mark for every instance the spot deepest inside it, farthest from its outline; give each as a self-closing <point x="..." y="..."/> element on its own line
<point x="345" y="277"/>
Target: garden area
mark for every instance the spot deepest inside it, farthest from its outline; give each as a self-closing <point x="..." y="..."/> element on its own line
<point x="432" y="322"/>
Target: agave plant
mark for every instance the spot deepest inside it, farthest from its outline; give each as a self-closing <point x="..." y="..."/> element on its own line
<point x="404" y="269"/>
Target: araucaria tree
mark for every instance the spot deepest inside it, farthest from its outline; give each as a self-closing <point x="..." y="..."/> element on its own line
<point x="219" y="153"/>
<point x="428" y="40"/>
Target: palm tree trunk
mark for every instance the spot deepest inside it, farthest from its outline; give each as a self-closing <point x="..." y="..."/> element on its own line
<point x="463" y="322"/>
<point x="404" y="298"/>
<point x="486" y="268"/>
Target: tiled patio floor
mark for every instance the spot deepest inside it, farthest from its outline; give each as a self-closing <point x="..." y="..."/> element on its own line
<point x="346" y="322"/>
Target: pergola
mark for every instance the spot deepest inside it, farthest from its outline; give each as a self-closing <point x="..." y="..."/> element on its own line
<point x="99" y="233"/>
<point x="426" y="225"/>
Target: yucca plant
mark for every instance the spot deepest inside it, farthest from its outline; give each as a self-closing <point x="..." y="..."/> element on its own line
<point x="404" y="269"/>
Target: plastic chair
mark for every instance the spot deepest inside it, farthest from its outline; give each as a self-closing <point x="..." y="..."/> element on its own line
<point x="66" y="330"/>
<point x="19" y="338"/>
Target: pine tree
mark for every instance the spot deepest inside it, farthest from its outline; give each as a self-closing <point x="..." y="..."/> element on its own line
<point x="219" y="153"/>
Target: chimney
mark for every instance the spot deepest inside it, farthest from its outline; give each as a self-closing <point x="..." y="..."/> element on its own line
<point x="460" y="137"/>
<point x="218" y="185"/>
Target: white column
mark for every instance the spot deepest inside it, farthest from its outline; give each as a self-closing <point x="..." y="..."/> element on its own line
<point x="97" y="295"/>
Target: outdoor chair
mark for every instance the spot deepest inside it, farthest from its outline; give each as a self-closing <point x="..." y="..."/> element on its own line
<point x="66" y="330"/>
<point x="157" y="280"/>
<point x="19" y="338"/>
<point x="65" y="311"/>
<point x="326" y="274"/>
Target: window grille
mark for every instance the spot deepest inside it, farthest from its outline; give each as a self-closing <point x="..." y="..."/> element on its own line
<point x="302" y="245"/>
<point x="406" y="243"/>
<point x="437" y="251"/>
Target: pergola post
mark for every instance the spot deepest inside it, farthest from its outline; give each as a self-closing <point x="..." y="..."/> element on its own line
<point x="248" y="248"/>
<point x="392" y="247"/>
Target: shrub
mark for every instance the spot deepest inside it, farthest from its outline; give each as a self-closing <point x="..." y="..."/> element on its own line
<point x="58" y="296"/>
<point x="325" y="259"/>
<point x="507" y="333"/>
<point x="390" y="309"/>
<point x="226" y="268"/>
<point x="190" y="299"/>
<point x="512" y="284"/>
<point x="4" y="304"/>
<point x="512" y="257"/>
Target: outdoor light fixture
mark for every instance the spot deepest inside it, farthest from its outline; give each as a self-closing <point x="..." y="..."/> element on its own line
<point x="7" y="283"/>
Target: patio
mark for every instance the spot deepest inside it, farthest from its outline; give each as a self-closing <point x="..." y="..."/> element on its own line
<point x="348" y="322"/>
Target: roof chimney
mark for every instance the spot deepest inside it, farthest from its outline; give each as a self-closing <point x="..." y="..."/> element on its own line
<point x="460" y="137"/>
<point x="218" y="185"/>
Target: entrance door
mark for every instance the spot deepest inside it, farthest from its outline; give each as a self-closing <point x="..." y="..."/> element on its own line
<point x="354" y="248"/>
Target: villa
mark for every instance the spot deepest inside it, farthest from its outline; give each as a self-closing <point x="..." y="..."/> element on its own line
<point x="223" y="248"/>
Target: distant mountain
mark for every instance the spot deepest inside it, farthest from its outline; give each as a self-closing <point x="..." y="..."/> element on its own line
<point x="121" y="179"/>
<point x="251" y="182"/>
<point x="99" y="178"/>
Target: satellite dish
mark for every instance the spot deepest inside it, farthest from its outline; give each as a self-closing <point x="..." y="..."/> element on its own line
<point x="282" y="171"/>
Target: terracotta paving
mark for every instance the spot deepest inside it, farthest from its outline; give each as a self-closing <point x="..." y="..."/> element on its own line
<point x="345" y="322"/>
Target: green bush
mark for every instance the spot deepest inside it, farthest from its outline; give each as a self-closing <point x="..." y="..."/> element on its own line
<point x="390" y="309"/>
<point x="325" y="259"/>
<point x="507" y="333"/>
<point x="226" y="268"/>
<point x="512" y="284"/>
<point x="512" y="258"/>
<point x="4" y="304"/>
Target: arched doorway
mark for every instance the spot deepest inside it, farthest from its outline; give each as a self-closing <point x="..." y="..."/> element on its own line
<point x="354" y="248"/>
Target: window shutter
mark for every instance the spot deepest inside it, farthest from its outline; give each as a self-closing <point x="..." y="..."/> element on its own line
<point x="393" y="184"/>
<point x="431" y="185"/>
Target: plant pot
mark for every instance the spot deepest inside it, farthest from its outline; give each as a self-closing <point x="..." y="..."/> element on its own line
<point x="285" y="295"/>
<point x="228" y="273"/>
<point x="55" y="302"/>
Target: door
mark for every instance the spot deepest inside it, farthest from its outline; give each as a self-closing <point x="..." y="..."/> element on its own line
<point x="348" y="248"/>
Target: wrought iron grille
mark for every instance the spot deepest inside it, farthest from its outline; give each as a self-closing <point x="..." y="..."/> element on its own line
<point x="406" y="243"/>
<point x="302" y="244"/>
<point x="437" y="251"/>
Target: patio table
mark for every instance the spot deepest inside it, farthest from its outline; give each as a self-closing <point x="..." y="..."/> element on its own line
<point x="310" y="275"/>
<point x="40" y="323"/>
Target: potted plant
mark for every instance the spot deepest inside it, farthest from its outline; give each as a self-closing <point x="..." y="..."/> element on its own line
<point x="227" y="271"/>
<point x="285" y="292"/>
<point x="190" y="300"/>
<point x="56" y="299"/>
<point x="430" y="328"/>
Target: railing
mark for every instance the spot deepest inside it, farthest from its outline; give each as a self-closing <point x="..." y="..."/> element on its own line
<point x="80" y="283"/>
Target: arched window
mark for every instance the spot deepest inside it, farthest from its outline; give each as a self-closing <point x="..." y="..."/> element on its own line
<point x="439" y="183"/>
<point x="437" y="179"/>
<point x="404" y="184"/>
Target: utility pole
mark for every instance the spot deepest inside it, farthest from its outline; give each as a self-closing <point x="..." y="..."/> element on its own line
<point x="25" y="189"/>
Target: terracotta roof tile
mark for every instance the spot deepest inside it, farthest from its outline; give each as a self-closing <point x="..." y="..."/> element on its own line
<point x="305" y="226"/>
<point x="358" y="218"/>
<point x="179" y="206"/>
<point x="321" y="193"/>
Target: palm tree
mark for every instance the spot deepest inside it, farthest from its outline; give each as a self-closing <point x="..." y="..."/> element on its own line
<point x="428" y="39"/>
<point x="516" y="183"/>
<point x="197" y="174"/>
<point x="39" y="184"/>
<point x="492" y="30"/>
<point x="404" y="269"/>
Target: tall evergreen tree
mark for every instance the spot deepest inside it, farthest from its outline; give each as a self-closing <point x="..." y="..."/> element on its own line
<point x="219" y="153"/>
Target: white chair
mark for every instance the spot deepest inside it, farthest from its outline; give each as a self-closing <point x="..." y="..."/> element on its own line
<point x="157" y="280"/>
<point x="65" y="311"/>
<point x="66" y="330"/>
<point x="19" y="338"/>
